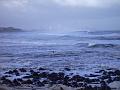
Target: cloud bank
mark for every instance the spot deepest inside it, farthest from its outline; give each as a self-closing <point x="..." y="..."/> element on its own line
<point x="70" y="3"/>
<point x="88" y="3"/>
<point x="99" y="14"/>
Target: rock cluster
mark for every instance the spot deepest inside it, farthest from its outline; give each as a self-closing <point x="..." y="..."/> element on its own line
<point x="41" y="78"/>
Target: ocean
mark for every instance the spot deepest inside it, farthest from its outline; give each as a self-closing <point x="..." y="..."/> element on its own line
<point x="81" y="51"/>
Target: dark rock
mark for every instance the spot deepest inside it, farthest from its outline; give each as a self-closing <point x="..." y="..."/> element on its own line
<point x="53" y="77"/>
<point x="103" y="83"/>
<point x="45" y="81"/>
<point x="111" y="73"/>
<point x="27" y="82"/>
<point x="67" y="69"/>
<point x="7" y="82"/>
<point x="15" y="71"/>
<point x="17" y="74"/>
<point x="74" y="84"/>
<point x="7" y="76"/>
<point x="105" y="77"/>
<point x="44" y="74"/>
<point x="66" y="81"/>
<point x="77" y="78"/>
<point x="32" y="71"/>
<point x="19" y="79"/>
<point x="92" y="75"/>
<point x="117" y="72"/>
<point x="95" y="88"/>
<point x="41" y="68"/>
<point x="93" y="80"/>
<point x="40" y="84"/>
<point x="87" y="80"/>
<point x="61" y="75"/>
<point x="22" y="70"/>
<point x="109" y="80"/>
<point x="9" y="72"/>
<point x="80" y="84"/>
<point x="88" y="88"/>
<point x="116" y="78"/>
<point x="29" y="76"/>
<point x="35" y="75"/>
<point x="35" y="80"/>
<point x="104" y="73"/>
<point x="3" y="78"/>
<point x="16" y="82"/>
<point x="105" y="88"/>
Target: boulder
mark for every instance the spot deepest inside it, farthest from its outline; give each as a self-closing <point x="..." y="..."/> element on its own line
<point x="22" y="70"/>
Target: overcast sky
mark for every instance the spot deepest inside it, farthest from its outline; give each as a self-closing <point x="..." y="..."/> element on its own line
<point x="61" y="14"/>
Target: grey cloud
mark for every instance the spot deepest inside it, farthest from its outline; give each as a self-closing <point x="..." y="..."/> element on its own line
<point x="32" y="14"/>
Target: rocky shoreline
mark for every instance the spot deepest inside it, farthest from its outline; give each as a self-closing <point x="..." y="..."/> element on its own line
<point x="43" y="79"/>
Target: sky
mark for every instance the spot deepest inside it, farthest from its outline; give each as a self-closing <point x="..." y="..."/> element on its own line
<point x="61" y="15"/>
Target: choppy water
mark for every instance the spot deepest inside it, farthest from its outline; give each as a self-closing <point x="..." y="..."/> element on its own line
<point x="82" y="52"/>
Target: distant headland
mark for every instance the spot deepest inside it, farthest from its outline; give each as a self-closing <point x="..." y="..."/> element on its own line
<point x="10" y="29"/>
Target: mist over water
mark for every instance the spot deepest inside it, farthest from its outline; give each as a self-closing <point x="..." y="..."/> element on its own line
<point x="81" y="51"/>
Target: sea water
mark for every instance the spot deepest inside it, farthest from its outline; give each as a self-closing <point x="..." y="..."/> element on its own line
<point x="82" y="52"/>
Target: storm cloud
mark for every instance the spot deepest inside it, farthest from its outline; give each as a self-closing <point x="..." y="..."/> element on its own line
<point x="61" y="14"/>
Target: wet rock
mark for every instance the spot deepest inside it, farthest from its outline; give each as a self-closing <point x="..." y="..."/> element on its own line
<point x="92" y="75"/>
<point x="117" y="72"/>
<point x="80" y="84"/>
<point x="88" y="88"/>
<point x="61" y="75"/>
<point x="42" y="68"/>
<point x="40" y="84"/>
<point x="67" y="69"/>
<point x="109" y="80"/>
<point x="77" y="78"/>
<point x="22" y="70"/>
<point x="103" y="83"/>
<point x="27" y="82"/>
<point x="32" y="71"/>
<point x="3" y="78"/>
<point x="104" y="73"/>
<point x="95" y="88"/>
<point x="74" y="84"/>
<point x="105" y="88"/>
<point x="9" y="72"/>
<point x="87" y="80"/>
<point x="53" y="77"/>
<point x="19" y="79"/>
<point x="16" y="82"/>
<point x="117" y="78"/>
<point x="45" y="81"/>
<point x="16" y="72"/>
<point x="35" y="75"/>
<point x="110" y="73"/>
<point x="93" y="80"/>
<point x="29" y="76"/>
<point x="103" y="77"/>
<point x="7" y="82"/>
<point x="44" y="74"/>
<point x="66" y="81"/>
